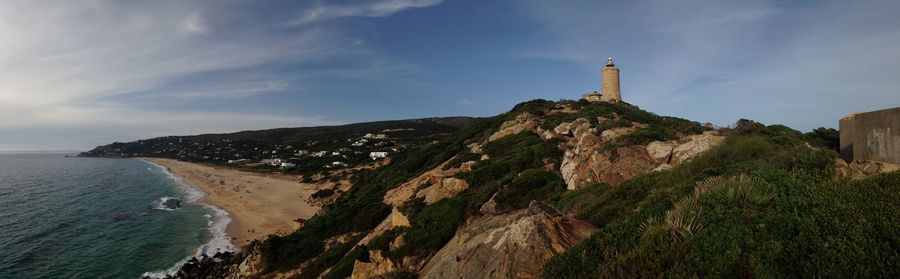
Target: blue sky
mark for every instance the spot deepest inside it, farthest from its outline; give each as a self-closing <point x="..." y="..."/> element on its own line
<point x="75" y="74"/>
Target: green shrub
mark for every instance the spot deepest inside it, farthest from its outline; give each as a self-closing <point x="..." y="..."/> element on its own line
<point x="532" y="184"/>
<point x="324" y="193"/>
<point x="775" y="210"/>
<point x="826" y="138"/>
<point x="361" y="208"/>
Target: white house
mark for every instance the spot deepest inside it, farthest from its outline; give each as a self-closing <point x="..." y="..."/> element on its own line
<point x="272" y="162"/>
<point x="375" y="136"/>
<point x="287" y="165"/>
<point x="377" y="155"/>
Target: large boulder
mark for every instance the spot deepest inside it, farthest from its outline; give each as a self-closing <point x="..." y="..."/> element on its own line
<point x="695" y="145"/>
<point x="171" y="203"/>
<point x="377" y="267"/>
<point x="862" y="168"/>
<point x="661" y="151"/>
<point x="447" y="188"/>
<point x="512" y="245"/>
<point x="523" y="122"/>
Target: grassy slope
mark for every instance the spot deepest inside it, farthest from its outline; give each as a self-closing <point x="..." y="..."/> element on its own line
<point x="797" y="221"/>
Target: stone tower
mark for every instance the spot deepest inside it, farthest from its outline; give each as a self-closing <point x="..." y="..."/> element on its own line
<point x="610" y="87"/>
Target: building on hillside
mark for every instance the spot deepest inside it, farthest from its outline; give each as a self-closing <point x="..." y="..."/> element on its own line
<point x="378" y="155"/>
<point x="375" y="136"/>
<point x="873" y="135"/>
<point x="287" y="165"/>
<point x="272" y="162"/>
<point x="609" y="87"/>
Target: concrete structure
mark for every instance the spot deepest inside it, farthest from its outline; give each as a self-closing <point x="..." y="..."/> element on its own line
<point x="871" y="136"/>
<point x="610" y="83"/>
<point x="592" y="97"/>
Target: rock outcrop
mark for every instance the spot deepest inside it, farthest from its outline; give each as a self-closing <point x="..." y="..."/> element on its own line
<point x="858" y="169"/>
<point x="695" y="145"/>
<point x="377" y="267"/>
<point x="512" y="245"/>
<point x="661" y="151"/>
<point x="171" y="203"/>
<point x="584" y="163"/>
<point x="523" y="122"/>
<point x="448" y="187"/>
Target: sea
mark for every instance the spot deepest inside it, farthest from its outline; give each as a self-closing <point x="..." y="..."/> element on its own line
<point x="69" y="217"/>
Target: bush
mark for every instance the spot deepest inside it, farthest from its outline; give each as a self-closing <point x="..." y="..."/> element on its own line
<point x="324" y="193"/>
<point x="361" y="208"/>
<point x="826" y="138"/>
<point x="530" y="185"/>
<point x="775" y="210"/>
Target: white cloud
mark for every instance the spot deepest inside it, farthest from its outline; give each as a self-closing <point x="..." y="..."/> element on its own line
<point x="194" y="24"/>
<point x="366" y="9"/>
<point x="62" y="64"/>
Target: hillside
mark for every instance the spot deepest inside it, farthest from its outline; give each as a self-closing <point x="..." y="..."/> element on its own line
<point x="346" y="143"/>
<point x="597" y="190"/>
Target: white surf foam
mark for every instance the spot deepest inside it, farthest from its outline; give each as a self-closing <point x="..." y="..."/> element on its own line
<point x="217" y="222"/>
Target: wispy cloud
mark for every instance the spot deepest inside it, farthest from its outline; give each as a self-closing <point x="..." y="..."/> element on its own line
<point x="72" y="63"/>
<point x="803" y="65"/>
<point x="368" y="9"/>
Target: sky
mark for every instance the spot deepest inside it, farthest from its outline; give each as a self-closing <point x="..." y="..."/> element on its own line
<point x="76" y="74"/>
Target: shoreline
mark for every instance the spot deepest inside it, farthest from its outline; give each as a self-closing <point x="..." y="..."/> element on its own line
<point x="255" y="205"/>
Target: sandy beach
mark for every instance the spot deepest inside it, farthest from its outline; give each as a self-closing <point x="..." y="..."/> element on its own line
<point x="259" y="204"/>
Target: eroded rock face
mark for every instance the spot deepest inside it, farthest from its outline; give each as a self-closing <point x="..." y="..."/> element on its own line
<point x="397" y="196"/>
<point x="695" y="145"/>
<point x="447" y="188"/>
<point x="861" y="168"/>
<point x="629" y="162"/>
<point x="512" y="245"/>
<point x="377" y="267"/>
<point x="523" y="122"/>
<point x="661" y="151"/>
<point x="583" y="164"/>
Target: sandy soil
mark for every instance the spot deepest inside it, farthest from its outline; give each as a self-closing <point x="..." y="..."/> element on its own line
<point x="259" y="204"/>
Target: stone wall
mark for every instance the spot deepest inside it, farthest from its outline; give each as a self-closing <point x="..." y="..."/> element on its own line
<point x="872" y="136"/>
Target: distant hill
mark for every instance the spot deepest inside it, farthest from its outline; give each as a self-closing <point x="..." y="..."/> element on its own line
<point x="285" y="143"/>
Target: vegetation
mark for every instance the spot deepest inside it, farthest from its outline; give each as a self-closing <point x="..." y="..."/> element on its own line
<point x="761" y="205"/>
<point x="765" y="203"/>
<point x="324" y="193"/>
<point x="825" y="137"/>
<point x="293" y="145"/>
<point x="524" y="153"/>
<point x="360" y="209"/>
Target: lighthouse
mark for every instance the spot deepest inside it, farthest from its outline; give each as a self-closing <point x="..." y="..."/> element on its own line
<point x="610" y="83"/>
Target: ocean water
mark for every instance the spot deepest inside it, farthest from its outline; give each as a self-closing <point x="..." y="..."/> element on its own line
<point x="98" y="218"/>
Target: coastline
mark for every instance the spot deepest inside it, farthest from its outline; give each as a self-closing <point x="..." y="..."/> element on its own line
<point x="254" y="205"/>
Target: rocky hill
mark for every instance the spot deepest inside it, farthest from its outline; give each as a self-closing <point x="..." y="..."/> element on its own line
<point x="581" y="190"/>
